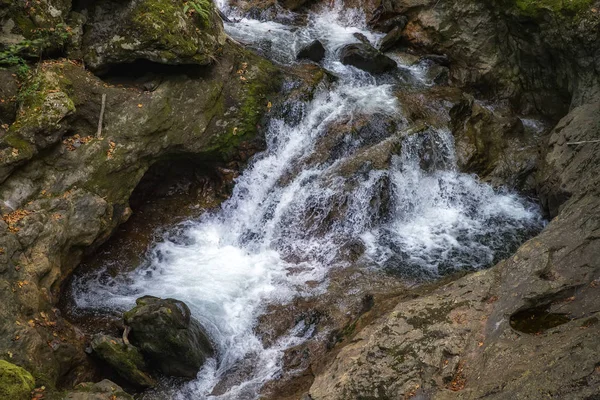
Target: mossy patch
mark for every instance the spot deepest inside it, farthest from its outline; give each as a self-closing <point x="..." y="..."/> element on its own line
<point x="15" y="382"/>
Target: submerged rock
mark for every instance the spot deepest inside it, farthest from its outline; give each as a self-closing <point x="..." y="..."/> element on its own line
<point x="314" y="52"/>
<point x="124" y="358"/>
<point x="166" y="333"/>
<point x="103" y="390"/>
<point x="367" y="58"/>
<point x="16" y="383"/>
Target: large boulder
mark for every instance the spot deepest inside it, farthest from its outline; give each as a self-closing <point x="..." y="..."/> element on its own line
<point x="162" y="31"/>
<point x="167" y="334"/>
<point x="16" y="383"/>
<point x="125" y="359"/>
<point x="367" y="58"/>
<point x="314" y="52"/>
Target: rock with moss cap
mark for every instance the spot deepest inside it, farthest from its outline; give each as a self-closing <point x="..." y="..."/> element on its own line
<point x="15" y="382"/>
<point x="167" y="334"/>
<point x="124" y="358"/>
<point x="162" y="31"/>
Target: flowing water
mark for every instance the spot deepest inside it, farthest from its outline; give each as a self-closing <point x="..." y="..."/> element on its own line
<point x="300" y="203"/>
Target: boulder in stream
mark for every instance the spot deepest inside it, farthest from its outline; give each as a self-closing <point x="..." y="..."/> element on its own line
<point x="124" y="358"/>
<point x="314" y="52"/>
<point x="391" y="39"/>
<point x="367" y="58"/>
<point x="166" y="333"/>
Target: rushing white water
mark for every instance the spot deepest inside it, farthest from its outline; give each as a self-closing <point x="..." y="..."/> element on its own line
<point x="290" y="216"/>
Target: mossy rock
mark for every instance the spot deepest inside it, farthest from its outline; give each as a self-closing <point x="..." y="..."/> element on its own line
<point x="160" y="31"/>
<point x="126" y="359"/>
<point x="103" y="390"/>
<point x="167" y="334"/>
<point x="15" y="382"/>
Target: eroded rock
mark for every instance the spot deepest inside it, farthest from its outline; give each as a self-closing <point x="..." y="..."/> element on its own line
<point x="103" y="390"/>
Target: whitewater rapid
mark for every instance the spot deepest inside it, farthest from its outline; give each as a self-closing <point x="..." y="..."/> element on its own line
<point x="273" y="236"/>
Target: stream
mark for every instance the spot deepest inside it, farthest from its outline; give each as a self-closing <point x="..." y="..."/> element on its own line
<point x="300" y="204"/>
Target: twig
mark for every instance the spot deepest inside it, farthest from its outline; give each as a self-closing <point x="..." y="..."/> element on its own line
<point x="99" y="133"/>
<point x="125" y="334"/>
<point x="583" y="142"/>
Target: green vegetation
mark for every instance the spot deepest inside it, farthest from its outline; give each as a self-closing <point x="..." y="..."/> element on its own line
<point x="15" y="382"/>
<point x="201" y="8"/>
<point x="43" y="40"/>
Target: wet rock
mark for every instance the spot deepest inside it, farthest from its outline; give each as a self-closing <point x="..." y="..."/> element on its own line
<point x="155" y="30"/>
<point x="437" y="74"/>
<point x="166" y="333"/>
<point x="362" y="38"/>
<point x="367" y="58"/>
<point x="15" y="382"/>
<point x="492" y="143"/>
<point x="391" y="39"/>
<point x="438" y="59"/>
<point x="314" y="52"/>
<point x="387" y="25"/>
<point x="103" y="390"/>
<point x="124" y="358"/>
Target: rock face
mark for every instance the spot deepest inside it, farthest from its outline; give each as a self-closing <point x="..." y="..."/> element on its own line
<point x="166" y="333"/>
<point x="103" y="390"/>
<point x="527" y="325"/>
<point x="367" y="58"/>
<point x="15" y="382"/>
<point x="161" y="31"/>
<point x="124" y="358"/>
<point x="64" y="190"/>
<point x="314" y="52"/>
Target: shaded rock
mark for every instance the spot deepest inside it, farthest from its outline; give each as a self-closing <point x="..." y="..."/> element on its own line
<point x="314" y="52"/>
<point x="154" y="30"/>
<point x="367" y="58"/>
<point x="15" y="382"/>
<point x="440" y="59"/>
<point x="492" y="143"/>
<point x="389" y="24"/>
<point x="166" y="333"/>
<point x="391" y="39"/>
<point x="124" y="358"/>
<point x="8" y="97"/>
<point x="103" y="390"/>
<point x="437" y="74"/>
<point x="362" y="38"/>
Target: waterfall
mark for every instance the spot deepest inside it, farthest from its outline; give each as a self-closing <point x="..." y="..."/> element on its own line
<point x="317" y="189"/>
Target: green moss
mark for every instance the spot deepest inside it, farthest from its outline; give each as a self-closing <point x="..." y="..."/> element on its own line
<point x="15" y="382"/>
<point x="160" y="21"/>
<point x="261" y="79"/>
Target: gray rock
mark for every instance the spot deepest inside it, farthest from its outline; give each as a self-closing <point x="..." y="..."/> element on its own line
<point x="169" y="337"/>
<point x="391" y="39"/>
<point x="103" y="390"/>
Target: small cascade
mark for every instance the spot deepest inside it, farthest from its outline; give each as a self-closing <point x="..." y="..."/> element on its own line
<point x="343" y="168"/>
